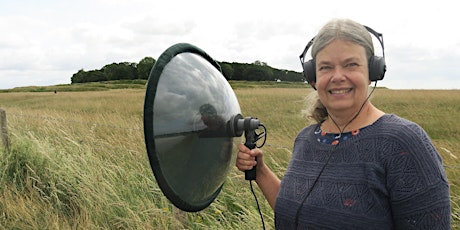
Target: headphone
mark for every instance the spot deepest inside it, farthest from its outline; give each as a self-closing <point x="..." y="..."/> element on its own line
<point x="377" y="66"/>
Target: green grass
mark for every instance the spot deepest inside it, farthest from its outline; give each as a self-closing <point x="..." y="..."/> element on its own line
<point x="78" y="159"/>
<point x="79" y="87"/>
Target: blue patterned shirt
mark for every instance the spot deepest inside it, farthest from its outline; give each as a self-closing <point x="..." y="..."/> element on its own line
<point x="385" y="176"/>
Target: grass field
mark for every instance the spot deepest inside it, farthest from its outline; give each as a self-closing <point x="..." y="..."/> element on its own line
<point x="78" y="159"/>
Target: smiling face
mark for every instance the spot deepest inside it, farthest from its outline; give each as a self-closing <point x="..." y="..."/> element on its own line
<point x="342" y="76"/>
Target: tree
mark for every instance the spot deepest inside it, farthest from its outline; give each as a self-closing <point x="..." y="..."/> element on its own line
<point x="258" y="73"/>
<point x="238" y="71"/>
<point x="95" y="76"/>
<point x="287" y="75"/>
<point x="78" y="77"/>
<point x="144" y="67"/>
<point x="119" y="71"/>
<point x="260" y="63"/>
<point x="227" y="70"/>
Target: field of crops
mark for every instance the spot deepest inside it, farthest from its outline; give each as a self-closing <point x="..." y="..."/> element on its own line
<point x="77" y="160"/>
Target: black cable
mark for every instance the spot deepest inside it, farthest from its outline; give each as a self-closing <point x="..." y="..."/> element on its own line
<point x="330" y="155"/>
<point x="264" y="135"/>
<point x="313" y="185"/>
<point x="356" y="115"/>
<point x="257" y="202"/>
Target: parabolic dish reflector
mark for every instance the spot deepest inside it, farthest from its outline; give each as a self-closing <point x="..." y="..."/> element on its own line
<point x="187" y="109"/>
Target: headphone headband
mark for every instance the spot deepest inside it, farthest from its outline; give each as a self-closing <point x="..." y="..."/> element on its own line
<point x="379" y="37"/>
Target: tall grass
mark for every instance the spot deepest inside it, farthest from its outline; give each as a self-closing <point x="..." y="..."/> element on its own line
<point x="78" y="159"/>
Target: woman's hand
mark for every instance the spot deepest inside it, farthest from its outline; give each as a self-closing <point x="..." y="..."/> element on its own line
<point x="246" y="158"/>
<point x="267" y="181"/>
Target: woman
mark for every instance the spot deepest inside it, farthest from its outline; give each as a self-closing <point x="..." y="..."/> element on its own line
<point x="357" y="168"/>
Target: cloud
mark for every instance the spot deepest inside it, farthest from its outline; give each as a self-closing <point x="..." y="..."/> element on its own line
<point x="48" y="37"/>
<point x="415" y="68"/>
<point x="155" y="26"/>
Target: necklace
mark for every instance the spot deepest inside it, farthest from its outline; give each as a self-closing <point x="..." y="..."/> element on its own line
<point x="335" y="138"/>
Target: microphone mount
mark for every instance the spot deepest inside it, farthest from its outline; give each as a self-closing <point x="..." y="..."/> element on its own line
<point x="249" y="125"/>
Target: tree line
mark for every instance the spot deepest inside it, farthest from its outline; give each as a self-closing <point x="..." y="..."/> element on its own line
<point x="257" y="71"/>
<point x="116" y="71"/>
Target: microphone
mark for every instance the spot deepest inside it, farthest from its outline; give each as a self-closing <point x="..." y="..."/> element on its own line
<point x="236" y="126"/>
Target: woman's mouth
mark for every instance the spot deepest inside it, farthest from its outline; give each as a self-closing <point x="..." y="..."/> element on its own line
<point x="339" y="91"/>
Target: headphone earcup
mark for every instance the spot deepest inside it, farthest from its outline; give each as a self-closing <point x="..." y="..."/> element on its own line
<point x="377" y="68"/>
<point x="309" y="71"/>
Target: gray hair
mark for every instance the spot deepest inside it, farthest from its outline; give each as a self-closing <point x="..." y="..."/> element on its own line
<point x="343" y="29"/>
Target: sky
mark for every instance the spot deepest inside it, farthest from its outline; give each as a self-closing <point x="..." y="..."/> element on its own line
<point x="45" y="42"/>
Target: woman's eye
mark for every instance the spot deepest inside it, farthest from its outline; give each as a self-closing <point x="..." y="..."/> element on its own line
<point x="322" y="68"/>
<point x="352" y="64"/>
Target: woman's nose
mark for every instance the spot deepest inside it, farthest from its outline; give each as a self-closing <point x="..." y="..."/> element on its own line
<point x="338" y="74"/>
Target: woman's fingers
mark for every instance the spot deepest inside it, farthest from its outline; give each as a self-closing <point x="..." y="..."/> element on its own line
<point x="246" y="158"/>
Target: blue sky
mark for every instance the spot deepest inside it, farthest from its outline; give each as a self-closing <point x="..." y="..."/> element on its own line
<point x="45" y="42"/>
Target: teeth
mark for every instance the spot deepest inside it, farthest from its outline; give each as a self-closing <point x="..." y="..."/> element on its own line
<point x="339" y="91"/>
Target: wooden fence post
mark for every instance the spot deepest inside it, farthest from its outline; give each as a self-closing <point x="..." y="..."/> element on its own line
<point x="4" y="130"/>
